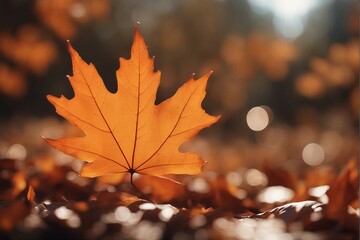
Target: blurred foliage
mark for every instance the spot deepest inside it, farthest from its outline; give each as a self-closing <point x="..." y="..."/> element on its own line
<point x="305" y="88"/>
<point x="42" y="196"/>
<point x="253" y="63"/>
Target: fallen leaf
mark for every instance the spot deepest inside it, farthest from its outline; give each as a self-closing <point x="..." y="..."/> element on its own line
<point x="81" y="206"/>
<point x="12" y="214"/>
<point x="12" y="82"/>
<point x="291" y="212"/>
<point x="128" y="199"/>
<point x="162" y="189"/>
<point x="126" y="132"/>
<point x="19" y="182"/>
<point x="113" y="179"/>
<point x="30" y="194"/>
<point x="278" y="176"/>
<point x="198" y="210"/>
<point x="315" y="177"/>
<point x="225" y="198"/>
<point x="342" y="194"/>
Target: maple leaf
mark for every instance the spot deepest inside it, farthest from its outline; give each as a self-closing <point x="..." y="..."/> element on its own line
<point x="125" y="132"/>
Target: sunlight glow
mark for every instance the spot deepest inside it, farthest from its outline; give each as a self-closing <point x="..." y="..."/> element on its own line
<point x="285" y="9"/>
<point x="289" y="29"/>
<point x="292" y="8"/>
<point x="289" y="15"/>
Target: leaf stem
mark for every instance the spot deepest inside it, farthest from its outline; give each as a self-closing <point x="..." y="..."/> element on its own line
<point x="142" y="194"/>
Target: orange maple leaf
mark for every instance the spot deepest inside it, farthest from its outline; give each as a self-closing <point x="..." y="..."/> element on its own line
<point x="126" y="132"/>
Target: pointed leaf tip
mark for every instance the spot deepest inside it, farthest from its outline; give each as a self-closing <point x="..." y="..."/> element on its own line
<point x="48" y="97"/>
<point x="68" y="44"/>
<point x="208" y="74"/>
<point x="70" y="48"/>
<point x="137" y="31"/>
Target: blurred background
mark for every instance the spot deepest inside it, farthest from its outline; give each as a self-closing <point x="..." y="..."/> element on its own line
<point x="285" y="72"/>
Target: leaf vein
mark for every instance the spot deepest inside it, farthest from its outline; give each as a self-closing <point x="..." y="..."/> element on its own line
<point x="102" y="115"/>
<point x="177" y="122"/>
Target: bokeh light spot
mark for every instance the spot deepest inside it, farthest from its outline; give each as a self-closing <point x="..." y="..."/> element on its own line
<point x="275" y="194"/>
<point x="289" y="29"/>
<point x="246" y="229"/>
<point x="257" y="118"/>
<point x="17" y="151"/>
<point x="77" y="10"/>
<point x="313" y="154"/>
<point x="122" y="214"/>
<point x="197" y="221"/>
<point x="199" y="185"/>
<point x="255" y="178"/>
<point x="74" y="221"/>
<point x="167" y="212"/>
<point x="318" y="191"/>
<point x="63" y="213"/>
<point x="310" y="85"/>
<point x="289" y="15"/>
<point x="147" y="206"/>
<point x="234" y="178"/>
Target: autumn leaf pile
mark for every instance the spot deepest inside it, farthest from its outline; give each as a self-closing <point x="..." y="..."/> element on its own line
<point x="128" y="144"/>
